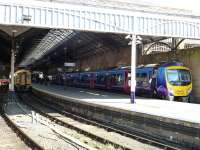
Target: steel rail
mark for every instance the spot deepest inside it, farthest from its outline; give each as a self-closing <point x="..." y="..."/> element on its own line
<point x="138" y="136"/>
<point x="65" y="124"/>
<point x="134" y="134"/>
<point x="23" y="136"/>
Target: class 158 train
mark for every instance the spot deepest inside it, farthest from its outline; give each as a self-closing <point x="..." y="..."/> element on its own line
<point x="22" y="80"/>
<point x="167" y="80"/>
<point x="170" y="81"/>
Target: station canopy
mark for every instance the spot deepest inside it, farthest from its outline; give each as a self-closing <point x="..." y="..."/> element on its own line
<point x="87" y="20"/>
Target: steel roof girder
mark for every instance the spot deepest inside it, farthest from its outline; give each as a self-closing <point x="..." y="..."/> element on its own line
<point x="46" y="45"/>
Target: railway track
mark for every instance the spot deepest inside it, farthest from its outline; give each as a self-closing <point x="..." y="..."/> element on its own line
<point x="44" y="133"/>
<point x="142" y="139"/>
<point x="12" y="137"/>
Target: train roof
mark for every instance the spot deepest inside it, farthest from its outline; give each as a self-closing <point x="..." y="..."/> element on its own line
<point x="178" y="67"/>
<point x="148" y="66"/>
<point x="172" y="63"/>
<point x="162" y="64"/>
<point x="22" y="70"/>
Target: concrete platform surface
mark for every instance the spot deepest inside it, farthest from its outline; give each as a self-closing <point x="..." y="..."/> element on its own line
<point x="169" y="109"/>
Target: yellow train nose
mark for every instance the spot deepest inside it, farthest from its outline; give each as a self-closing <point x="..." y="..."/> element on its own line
<point x="180" y="93"/>
<point x="180" y="90"/>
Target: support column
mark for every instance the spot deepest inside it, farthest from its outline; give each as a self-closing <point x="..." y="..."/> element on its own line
<point x="133" y="68"/>
<point x="174" y="43"/>
<point x="12" y="66"/>
<point x="12" y="70"/>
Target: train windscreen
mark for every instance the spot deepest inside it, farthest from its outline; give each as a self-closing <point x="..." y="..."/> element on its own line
<point x="178" y="77"/>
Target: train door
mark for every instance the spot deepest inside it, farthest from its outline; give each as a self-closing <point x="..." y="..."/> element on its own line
<point x="161" y="83"/>
<point x="23" y="78"/>
<point x="101" y="80"/>
<point x="142" y="81"/>
<point x="92" y="75"/>
<point x="108" y="81"/>
<point x="127" y="81"/>
<point x="153" y="82"/>
<point x="117" y="80"/>
<point x="28" y="78"/>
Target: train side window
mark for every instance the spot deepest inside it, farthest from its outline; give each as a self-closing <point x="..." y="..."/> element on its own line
<point x="100" y="79"/>
<point x="144" y="77"/>
<point x="85" y="79"/>
<point x="137" y="75"/>
<point x="117" y="79"/>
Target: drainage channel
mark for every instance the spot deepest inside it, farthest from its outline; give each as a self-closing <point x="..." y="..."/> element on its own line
<point x="107" y="129"/>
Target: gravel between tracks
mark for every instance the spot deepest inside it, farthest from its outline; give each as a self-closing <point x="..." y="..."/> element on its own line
<point x="39" y="132"/>
<point x="112" y="136"/>
<point x="9" y="139"/>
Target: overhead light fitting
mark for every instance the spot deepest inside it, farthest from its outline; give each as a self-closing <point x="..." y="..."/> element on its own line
<point x="128" y="37"/>
<point x="14" y="31"/>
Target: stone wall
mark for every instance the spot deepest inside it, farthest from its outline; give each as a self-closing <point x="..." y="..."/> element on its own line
<point x="107" y="59"/>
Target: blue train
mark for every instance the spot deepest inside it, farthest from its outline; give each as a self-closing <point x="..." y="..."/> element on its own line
<point x="169" y="80"/>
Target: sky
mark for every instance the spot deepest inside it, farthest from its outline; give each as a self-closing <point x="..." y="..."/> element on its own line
<point x="185" y="4"/>
<point x="193" y="5"/>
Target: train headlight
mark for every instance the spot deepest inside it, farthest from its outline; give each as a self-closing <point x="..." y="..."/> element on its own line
<point x="171" y="92"/>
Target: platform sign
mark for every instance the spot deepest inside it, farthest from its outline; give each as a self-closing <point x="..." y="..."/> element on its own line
<point x="59" y="69"/>
<point x="68" y="64"/>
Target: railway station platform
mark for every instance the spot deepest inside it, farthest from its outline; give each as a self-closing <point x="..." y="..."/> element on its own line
<point x="169" y="109"/>
<point x="175" y="122"/>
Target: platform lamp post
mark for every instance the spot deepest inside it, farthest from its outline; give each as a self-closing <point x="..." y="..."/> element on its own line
<point x="12" y="66"/>
<point x="133" y="42"/>
<point x="65" y="83"/>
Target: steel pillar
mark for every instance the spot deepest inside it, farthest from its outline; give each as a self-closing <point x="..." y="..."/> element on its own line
<point x="12" y="66"/>
<point x="174" y="43"/>
<point x="133" y="68"/>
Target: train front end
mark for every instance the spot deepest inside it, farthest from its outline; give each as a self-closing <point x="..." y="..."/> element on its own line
<point x="179" y="83"/>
